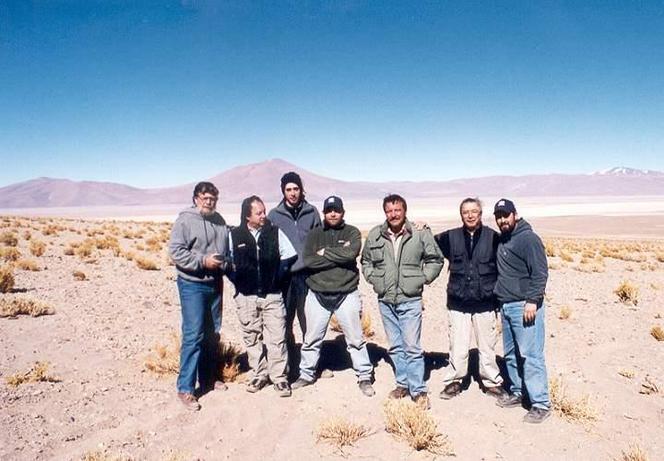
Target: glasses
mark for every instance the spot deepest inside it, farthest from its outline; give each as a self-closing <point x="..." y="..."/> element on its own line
<point x="470" y="212"/>
<point x="207" y="198"/>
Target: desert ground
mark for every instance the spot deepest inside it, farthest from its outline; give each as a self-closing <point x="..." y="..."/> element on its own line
<point x="114" y="311"/>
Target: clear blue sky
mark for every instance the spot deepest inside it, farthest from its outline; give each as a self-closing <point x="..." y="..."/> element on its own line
<point x="158" y="93"/>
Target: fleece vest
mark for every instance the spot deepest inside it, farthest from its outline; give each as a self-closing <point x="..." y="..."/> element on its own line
<point x="472" y="277"/>
<point x="256" y="262"/>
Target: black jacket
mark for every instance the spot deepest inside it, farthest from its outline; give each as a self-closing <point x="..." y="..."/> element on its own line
<point x="522" y="266"/>
<point x="256" y="263"/>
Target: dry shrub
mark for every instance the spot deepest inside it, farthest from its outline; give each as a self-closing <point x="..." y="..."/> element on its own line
<point x="27" y="265"/>
<point x="565" y="313"/>
<point x="166" y="358"/>
<point x="10" y="254"/>
<point x="153" y="245"/>
<point x="649" y="386"/>
<point x="229" y="362"/>
<point x="553" y="265"/>
<point x="13" y="307"/>
<point x="340" y="433"/>
<point x="629" y="374"/>
<point x="101" y="455"/>
<point x="69" y="251"/>
<point x="657" y="333"/>
<point x="50" y="230"/>
<point x="9" y="238"/>
<point x="146" y="263"/>
<point x="79" y="276"/>
<point x="633" y="453"/>
<point x="84" y="250"/>
<point x="649" y="266"/>
<point x="550" y="249"/>
<point x="129" y="255"/>
<point x="38" y="373"/>
<point x="27" y="235"/>
<point x="409" y="422"/>
<point x="565" y="256"/>
<point x="334" y="324"/>
<point x="627" y="293"/>
<point x="659" y="256"/>
<point x="6" y="279"/>
<point x="37" y="248"/>
<point x="367" y="329"/>
<point x="576" y="410"/>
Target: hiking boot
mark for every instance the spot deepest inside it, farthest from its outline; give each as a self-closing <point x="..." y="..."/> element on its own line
<point x="398" y="393"/>
<point x="189" y="401"/>
<point x="509" y="401"/>
<point x="256" y="385"/>
<point x="366" y="388"/>
<point x="283" y="389"/>
<point x="495" y="391"/>
<point x="536" y="415"/>
<point x="326" y="374"/>
<point x="450" y="391"/>
<point x="422" y="401"/>
<point x="300" y="383"/>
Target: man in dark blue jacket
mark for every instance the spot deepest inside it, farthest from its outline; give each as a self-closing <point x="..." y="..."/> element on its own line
<point x="522" y="276"/>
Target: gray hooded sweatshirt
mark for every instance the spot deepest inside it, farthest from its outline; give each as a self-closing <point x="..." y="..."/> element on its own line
<point x="192" y="238"/>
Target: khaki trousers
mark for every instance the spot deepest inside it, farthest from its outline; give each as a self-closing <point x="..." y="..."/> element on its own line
<point x="462" y="327"/>
<point x="263" y="322"/>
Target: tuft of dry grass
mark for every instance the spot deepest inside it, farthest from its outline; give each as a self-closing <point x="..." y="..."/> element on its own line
<point x="409" y="422"/>
<point x="79" y="276"/>
<point x="166" y="358"/>
<point x="38" y="373"/>
<point x="9" y="238"/>
<point x="576" y="410"/>
<point x="146" y="263"/>
<point x="6" y="279"/>
<point x="10" y="254"/>
<point x="629" y="374"/>
<point x="565" y="256"/>
<point x="101" y="455"/>
<point x="649" y="386"/>
<point x="13" y="307"/>
<point x="565" y="313"/>
<point x="633" y="453"/>
<point x="657" y="332"/>
<point x="228" y="360"/>
<point x="367" y="328"/>
<point x="28" y="265"/>
<point x="627" y="293"/>
<point x="37" y="248"/>
<point x="340" y="433"/>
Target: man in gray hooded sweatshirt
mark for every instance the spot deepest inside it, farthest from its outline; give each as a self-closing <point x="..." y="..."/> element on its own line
<point x="199" y="248"/>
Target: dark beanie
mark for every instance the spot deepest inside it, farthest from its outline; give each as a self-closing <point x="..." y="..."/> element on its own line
<point x="293" y="177"/>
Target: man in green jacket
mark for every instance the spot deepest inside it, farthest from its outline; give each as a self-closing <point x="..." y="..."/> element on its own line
<point x="397" y="261"/>
<point x="330" y="256"/>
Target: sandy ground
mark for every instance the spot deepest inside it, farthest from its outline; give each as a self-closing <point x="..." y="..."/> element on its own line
<point x="104" y="328"/>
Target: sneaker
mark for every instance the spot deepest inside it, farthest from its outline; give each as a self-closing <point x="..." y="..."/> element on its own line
<point x="422" y="401"/>
<point x="509" y="401"/>
<point x="536" y="415"/>
<point x="283" y="389"/>
<point x="326" y="374"/>
<point x="301" y="382"/>
<point x="256" y="385"/>
<point x="366" y="388"/>
<point x="189" y="401"/>
<point x="450" y="391"/>
<point x="495" y="391"/>
<point x="398" y="393"/>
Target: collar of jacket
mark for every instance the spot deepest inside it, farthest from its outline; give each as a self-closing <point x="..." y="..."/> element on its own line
<point x="407" y="230"/>
<point x="341" y="225"/>
<point x="304" y="205"/>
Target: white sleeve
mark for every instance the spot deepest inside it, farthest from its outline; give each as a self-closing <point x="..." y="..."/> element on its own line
<point x="230" y="245"/>
<point x="286" y="249"/>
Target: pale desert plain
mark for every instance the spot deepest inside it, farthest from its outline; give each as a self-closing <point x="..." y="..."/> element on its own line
<point x="110" y="317"/>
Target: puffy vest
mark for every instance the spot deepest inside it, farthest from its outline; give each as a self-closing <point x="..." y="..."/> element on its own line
<point x="256" y="262"/>
<point x="472" y="278"/>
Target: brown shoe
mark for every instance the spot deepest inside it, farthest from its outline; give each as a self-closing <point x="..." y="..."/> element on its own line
<point x="189" y="401"/>
<point x="398" y="393"/>
<point x="495" y="391"/>
<point x="422" y="401"/>
<point x="450" y="391"/>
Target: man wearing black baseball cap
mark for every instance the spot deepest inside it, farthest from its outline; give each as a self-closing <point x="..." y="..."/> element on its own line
<point x="330" y="256"/>
<point x="522" y="277"/>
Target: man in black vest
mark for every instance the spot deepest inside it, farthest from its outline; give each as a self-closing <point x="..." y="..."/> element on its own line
<point x="261" y="255"/>
<point x="471" y="252"/>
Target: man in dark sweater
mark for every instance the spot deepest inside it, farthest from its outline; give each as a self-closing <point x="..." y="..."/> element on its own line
<point x="471" y="252"/>
<point x="522" y="276"/>
<point x="330" y="255"/>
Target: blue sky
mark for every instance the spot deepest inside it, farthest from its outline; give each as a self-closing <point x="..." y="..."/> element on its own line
<point x="159" y="93"/>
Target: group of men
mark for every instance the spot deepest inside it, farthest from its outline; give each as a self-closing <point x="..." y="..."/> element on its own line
<point x="288" y="263"/>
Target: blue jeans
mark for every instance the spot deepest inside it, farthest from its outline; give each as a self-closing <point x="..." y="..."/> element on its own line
<point x="403" y="328"/>
<point x="318" y="318"/>
<point x="200" y="305"/>
<point x="525" y="343"/>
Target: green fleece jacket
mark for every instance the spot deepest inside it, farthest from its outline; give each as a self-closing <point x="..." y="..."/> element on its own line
<point x="335" y="271"/>
<point x="400" y="279"/>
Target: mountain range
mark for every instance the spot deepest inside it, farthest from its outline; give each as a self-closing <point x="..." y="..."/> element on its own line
<point x="263" y="179"/>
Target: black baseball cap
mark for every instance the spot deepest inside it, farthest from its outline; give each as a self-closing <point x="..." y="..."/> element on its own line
<point x="333" y="203"/>
<point x="504" y="206"/>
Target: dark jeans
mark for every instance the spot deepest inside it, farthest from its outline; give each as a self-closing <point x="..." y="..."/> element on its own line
<point x="201" y="322"/>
